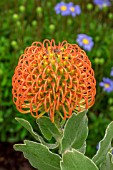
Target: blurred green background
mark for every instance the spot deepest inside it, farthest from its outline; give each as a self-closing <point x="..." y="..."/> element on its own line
<point x="21" y="23"/>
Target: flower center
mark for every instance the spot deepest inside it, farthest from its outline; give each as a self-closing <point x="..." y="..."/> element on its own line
<point x="104" y="4"/>
<point x="63" y="8"/>
<point x="72" y="9"/>
<point x="107" y="85"/>
<point x="85" y="41"/>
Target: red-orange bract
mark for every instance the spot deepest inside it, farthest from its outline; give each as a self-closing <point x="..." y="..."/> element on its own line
<point x="53" y="79"/>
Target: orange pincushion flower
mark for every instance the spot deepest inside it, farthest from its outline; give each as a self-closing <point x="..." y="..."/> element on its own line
<point x="53" y="78"/>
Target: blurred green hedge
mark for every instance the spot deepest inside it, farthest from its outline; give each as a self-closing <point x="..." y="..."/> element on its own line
<point x="23" y="22"/>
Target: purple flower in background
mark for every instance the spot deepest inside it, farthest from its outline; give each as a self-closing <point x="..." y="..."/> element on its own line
<point x="98" y="146"/>
<point x="112" y="151"/>
<point x="102" y="3"/>
<point x="62" y="8"/>
<point x="85" y="41"/>
<point x="111" y="73"/>
<point x="67" y="9"/>
<point x="74" y="9"/>
<point x="107" y="84"/>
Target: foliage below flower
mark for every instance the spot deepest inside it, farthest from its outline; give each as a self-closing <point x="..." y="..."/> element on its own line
<point x="102" y="3"/>
<point x="54" y="79"/>
<point x="67" y="9"/>
<point x="107" y="85"/>
<point x="85" y="41"/>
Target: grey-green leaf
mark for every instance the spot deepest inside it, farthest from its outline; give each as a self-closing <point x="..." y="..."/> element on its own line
<point x="28" y="126"/>
<point x="75" y="160"/>
<point x="39" y="155"/>
<point x="83" y="148"/>
<point x="105" y="145"/>
<point x="107" y="164"/>
<point x="48" y="128"/>
<point x="75" y="132"/>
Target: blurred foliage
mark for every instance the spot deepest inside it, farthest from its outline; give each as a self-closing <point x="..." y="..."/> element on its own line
<point x="23" y="22"/>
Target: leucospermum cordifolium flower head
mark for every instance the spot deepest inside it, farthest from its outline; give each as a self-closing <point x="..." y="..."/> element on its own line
<point x="66" y="9"/>
<point x="53" y="79"/>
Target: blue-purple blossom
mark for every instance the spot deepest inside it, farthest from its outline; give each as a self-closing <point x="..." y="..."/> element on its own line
<point x="111" y="73"/>
<point x="74" y="9"/>
<point x="85" y="41"/>
<point x="112" y="151"/>
<point x="98" y="146"/>
<point x="67" y="9"/>
<point x="62" y="8"/>
<point x="102" y="3"/>
<point x="107" y="84"/>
